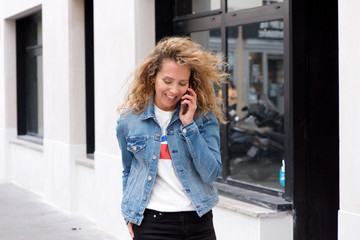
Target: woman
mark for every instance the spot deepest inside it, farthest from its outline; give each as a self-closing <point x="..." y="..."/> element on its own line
<point x="168" y="132"/>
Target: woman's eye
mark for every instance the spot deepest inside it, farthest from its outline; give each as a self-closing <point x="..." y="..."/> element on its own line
<point x="182" y="84"/>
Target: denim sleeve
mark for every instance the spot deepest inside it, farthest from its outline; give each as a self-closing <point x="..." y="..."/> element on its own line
<point x="204" y="147"/>
<point x="126" y="155"/>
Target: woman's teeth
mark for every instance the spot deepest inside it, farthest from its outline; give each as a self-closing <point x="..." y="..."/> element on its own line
<point x="172" y="97"/>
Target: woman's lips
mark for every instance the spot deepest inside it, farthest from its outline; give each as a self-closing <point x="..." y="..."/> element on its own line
<point x="171" y="97"/>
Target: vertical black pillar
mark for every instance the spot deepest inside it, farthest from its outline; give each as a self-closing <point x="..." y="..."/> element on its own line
<point x="314" y="27"/>
<point x="89" y="76"/>
<point x="164" y="14"/>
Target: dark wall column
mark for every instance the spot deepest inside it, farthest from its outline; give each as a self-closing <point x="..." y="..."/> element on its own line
<point x="314" y="27"/>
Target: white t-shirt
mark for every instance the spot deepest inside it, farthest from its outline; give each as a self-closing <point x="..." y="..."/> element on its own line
<point x="168" y="195"/>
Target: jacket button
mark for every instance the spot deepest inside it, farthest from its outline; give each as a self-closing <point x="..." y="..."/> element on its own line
<point x="184" y="130"/>
<point x="136" y="220"/>
<point x="153" y="157"/>
<point x="149" y="178"/>
<point x="157" y="134"/>
<point x="144" y="198"/>
<point x="134" y="148"/>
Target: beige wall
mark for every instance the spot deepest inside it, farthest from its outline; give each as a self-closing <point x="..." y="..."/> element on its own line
<point x="64" y="71"/>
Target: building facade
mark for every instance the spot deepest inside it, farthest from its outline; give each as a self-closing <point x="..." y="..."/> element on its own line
<point x="65" y="66"/>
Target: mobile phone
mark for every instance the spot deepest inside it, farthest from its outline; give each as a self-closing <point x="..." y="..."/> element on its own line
<point x="186" y="107"/>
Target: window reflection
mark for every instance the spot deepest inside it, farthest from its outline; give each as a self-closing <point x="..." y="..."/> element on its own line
<point x="235" y="5"/>
<point x="256" y="102"/>
<point x="210" y="40"/>
<point x="33" y="82"/>
<point x="195" y="6"/>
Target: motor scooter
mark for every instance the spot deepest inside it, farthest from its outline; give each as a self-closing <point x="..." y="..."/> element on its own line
<point x="256" y="141"/>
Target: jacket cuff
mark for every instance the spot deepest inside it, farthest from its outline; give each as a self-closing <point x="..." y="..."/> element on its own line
<point x="188" y="129"/>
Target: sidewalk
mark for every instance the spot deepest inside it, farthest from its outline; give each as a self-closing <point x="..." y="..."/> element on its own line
<point x="25" y="215"/>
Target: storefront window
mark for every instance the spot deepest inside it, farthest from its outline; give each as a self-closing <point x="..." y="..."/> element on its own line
<point x="235" y="5"/>
<point x="256" y="103"/>
<point x="253" y="43"/>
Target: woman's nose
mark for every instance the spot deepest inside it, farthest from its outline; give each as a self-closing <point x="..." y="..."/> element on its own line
<point x="174" y="89"/>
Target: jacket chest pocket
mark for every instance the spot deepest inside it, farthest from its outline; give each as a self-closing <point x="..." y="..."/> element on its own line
<point x="137" y="147"/>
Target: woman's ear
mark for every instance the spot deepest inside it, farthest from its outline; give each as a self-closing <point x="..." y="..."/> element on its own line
<point x="152" y="81"/>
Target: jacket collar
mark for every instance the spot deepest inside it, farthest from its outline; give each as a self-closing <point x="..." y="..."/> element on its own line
<point x="150" y="111"/>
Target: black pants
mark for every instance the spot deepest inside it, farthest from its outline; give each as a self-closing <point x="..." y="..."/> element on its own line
<point x="175" y="226"/>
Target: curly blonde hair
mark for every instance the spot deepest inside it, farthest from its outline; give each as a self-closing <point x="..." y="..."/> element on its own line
<point x="206" y="73"/>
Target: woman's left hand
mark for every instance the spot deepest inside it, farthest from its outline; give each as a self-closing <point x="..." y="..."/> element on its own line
<point x="190" y="100"/>
<point x="131" y="229"/>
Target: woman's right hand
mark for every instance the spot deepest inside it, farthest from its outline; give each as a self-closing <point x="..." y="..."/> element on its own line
<point x="131" y="229"/>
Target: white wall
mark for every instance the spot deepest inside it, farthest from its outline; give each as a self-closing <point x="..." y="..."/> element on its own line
<point x="8" y="123"/>
<point x="349" y="72"/>
<point x="238" y="220"/>
<point x="124" y="33"/>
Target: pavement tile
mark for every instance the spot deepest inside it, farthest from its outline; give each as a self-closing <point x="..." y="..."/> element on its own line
<point x="25" y="215"/>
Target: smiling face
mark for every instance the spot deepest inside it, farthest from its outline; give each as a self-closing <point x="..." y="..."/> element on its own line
<point x="171" y="83"/>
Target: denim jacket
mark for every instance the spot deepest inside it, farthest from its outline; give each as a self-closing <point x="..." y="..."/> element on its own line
<point x="195" y="153"/>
